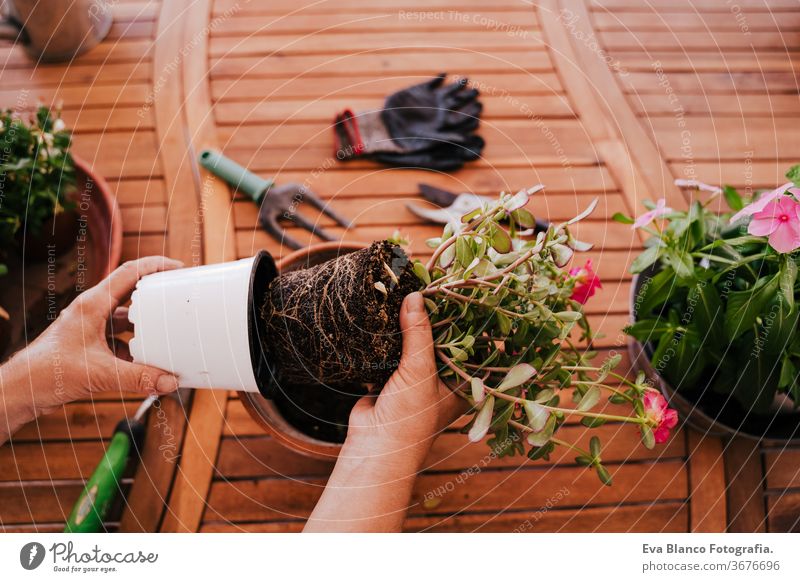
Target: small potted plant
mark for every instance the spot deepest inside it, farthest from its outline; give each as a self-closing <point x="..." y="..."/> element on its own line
<point x="38" y="175"/>
<point x="53" y="207"/>
<point x="715" y="308"/>
<point x="505" y="309"/>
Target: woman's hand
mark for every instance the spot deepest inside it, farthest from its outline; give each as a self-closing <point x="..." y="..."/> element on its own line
<point x="414" y="405"/>
<point x="72" y="358"/>
<point x="389" y="438"/>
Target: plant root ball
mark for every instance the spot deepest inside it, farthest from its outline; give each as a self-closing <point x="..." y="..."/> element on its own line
<point x="339" y="322"/>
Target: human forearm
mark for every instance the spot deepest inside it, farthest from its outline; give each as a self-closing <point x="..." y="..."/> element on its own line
<point x="368" y="492"/>
<point x="16" y="401"/>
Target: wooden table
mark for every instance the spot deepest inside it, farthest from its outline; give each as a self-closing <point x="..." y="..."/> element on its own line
<point x="605" y="98"/>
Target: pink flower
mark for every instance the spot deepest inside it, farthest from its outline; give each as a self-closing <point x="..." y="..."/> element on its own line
<point x="648" y="217"/>
<point x="780" y="220"/>
<point x="655" y="407"/>
<point x="763" y="200"/>
<point x="587" y="282"/>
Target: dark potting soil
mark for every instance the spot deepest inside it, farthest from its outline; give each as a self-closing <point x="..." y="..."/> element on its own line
<point x="333" y="325"/>
<point x="330" y="325"/>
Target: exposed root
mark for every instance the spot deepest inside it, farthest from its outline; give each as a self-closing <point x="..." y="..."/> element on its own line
<point x="333" y="324"/>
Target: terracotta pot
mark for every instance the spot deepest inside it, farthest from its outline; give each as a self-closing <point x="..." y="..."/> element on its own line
<point x="779" y="427"/>
<point x="96" y="218"/>
<point x="95" y="247"/>
<point x="263" y="410"/>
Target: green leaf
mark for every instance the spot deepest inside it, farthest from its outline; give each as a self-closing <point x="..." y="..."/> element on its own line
<point x="645" y="259"/>
<point x="757" y="381"/>
<point x="681" y="262"/>
<point x="568" y="315"/>
<point x="589" y="209"/>
<point x="421" y="272"/>
<point x="541" y="452"/>
<point x="464" y="253"/>
<point x="482" y="420"/>
<point x="537" y="415"/>
<point x="788" y="278"/>
<point x="708" y="316"/>
<point x="541" y="438"/>
<point x="594" y="447"/>
<point x="503" y="322"/>
<point x="478" y="392"/>
<point x="788" y="373"/>
<point x="648" y="330"/>
<point x="655" y="291"/>
<point x="518" y="375"/>
<point x="794" y="175"/>
<point x="778" y="326"/>
<point x="523" y="218"/>
<point x="733" y="198"/>
<point x="501" y="241"/>
<point x="589" y="399"/>
<point x="745" y="306"/>
<point x="621" y="218"/>
<point x="604" y="475"/>
<point x="648" y="438"/>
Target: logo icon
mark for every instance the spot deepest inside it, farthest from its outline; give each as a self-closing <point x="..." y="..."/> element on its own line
<point x="31" y="555"/>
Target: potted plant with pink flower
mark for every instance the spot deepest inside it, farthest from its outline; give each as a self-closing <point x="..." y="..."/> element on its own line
<point x="508" y="319"/>
<point x="715" y="308"/>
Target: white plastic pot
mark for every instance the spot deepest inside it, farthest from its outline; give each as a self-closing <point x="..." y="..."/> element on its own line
<point x="201" y="323"/>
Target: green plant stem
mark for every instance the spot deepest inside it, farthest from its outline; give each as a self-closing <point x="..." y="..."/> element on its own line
<point x="570" y="411"/>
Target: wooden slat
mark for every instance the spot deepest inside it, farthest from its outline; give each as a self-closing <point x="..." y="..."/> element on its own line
<point x="139" y="192"/>
<point x="782" y="468"/>
<point x="114" y="155"/>
<point x="136" y="246"/>
<point x="767" y="139"/>
<point x="263" y="456"/>
<point x="710" y="83"/>
<point x="123" y="51"/>
<point x="706" y="61"/>
<point x="317" y="89"/>
<point x="707" y="483"/>
<point x="692" y="5"/>
<point x="51" y="461"/>
<point x="783" y="512"/>
<point x="661" y="517"/>
<point x="77" y="421"/>
<point x="340" y="180"/>
<point x="680" y="40"/>
<point x="388" y="20"/>
<point x="380" y="63"/>
<point x="223" y="7"/>
<point x="239" y="114"/>
<point x="486" y="491"/>
<point x="332" y="44"/>
<point x="745" y="487"/>
<point x="695" y="21"/>
<point x="80" y="96"/>
<point x="75" y="73"/>
<point x="742" y="105"/>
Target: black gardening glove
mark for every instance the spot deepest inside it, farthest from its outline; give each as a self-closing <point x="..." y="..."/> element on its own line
<point x="429" y="125"/>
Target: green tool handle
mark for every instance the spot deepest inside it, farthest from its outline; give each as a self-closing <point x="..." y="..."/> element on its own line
<point x="102" y="487"/>
<point x="241" y="178"/>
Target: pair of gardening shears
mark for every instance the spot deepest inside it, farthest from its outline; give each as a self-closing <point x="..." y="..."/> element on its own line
<point x="452" y="206"/>
<point x="275" y="202"/>
<point x="91" y="508"/>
